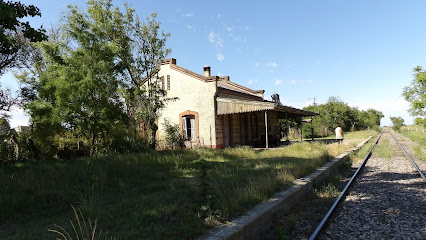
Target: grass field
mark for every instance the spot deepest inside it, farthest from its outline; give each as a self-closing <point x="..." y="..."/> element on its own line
<point x="157" y="195"/>
<point x="420" y="138"/>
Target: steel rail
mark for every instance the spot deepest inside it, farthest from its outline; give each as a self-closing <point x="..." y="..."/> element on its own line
<point x="343" y="193"/>
<point x="408" y="156"/>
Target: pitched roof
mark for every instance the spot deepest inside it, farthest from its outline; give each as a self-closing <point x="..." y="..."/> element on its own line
<point x="223" y="82"/>
<point x="238" y="88"/>
<point x="193" y="74"/>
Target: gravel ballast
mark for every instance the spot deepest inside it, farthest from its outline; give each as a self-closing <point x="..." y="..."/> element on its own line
<point x="387" y="201"/>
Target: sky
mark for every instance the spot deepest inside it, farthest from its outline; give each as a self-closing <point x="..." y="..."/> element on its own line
<point x="361" y="51"/>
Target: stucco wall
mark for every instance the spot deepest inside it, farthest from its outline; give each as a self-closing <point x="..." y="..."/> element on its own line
<point x="193" y="95"/>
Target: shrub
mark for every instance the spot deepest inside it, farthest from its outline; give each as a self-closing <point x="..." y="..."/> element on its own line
<point x="174" y="137"/>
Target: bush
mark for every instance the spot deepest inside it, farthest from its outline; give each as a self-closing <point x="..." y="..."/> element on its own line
<point x="174" y="137"/>
<point x="130" y="145"/>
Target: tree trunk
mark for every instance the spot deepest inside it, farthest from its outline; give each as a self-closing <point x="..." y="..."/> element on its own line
<point x="16" y="147"/>
<point x="92" y="148"/>
<point x="152" y="141"/>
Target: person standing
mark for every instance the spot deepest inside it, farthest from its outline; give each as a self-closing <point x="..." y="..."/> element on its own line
<point x="339" y="133"/>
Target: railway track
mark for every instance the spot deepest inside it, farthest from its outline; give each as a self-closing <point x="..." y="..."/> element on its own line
<point x="387" y="198"/>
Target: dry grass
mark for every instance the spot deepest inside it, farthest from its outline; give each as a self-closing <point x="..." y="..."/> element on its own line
<point x="157" y="195"/>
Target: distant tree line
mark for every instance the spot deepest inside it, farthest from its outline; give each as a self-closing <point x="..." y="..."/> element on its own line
<point x="88" y="84"/>
<point x="336" y="111"/>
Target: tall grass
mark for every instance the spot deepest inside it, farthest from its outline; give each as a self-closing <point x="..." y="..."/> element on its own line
<point x="420" y="138"/>
<point x="156" y="195"/>
<point x="82" y="229"/>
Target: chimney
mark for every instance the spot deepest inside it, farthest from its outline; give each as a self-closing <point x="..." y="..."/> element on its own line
<point x="276" y="99"/>
<point x="206" y="71"/>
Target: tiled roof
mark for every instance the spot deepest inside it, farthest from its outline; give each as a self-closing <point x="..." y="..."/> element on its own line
<point x="238" y="88"/>
<point x="223" y="82"/>
<point x="193" y="74"/>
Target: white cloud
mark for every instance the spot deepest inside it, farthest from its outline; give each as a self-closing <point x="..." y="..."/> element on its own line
<point x="234" y="37"/>
<point x="189" y="27"/>
<point x="188" y="15"/>
<point x="220" y="57"/>
<point x="299" y="82"/>
<point x="219" y="15"/>
<point x="212" y="37"/>
<point x="250" y="82"/>
<point x="271" y="64"/>
<point x="228" y="29"/>
<point x="278" y="82"/>
<point x="215" y="39"/>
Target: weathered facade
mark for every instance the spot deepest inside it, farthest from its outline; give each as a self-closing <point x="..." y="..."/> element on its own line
<point x="214" y="112"/>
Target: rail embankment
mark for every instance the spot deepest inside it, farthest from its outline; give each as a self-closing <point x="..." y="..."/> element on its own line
<point x="258" y="221"/>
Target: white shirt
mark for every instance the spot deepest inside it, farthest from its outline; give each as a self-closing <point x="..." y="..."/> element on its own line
<point x="339" y="133"/>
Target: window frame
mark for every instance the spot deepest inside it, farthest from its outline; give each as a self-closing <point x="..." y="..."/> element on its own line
<point x="183" y="115"/>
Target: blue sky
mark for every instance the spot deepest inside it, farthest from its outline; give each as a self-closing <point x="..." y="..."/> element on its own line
<point x="360" y="51"/>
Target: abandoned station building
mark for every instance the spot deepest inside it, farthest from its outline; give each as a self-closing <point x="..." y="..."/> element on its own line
<point x="213" y="111"/>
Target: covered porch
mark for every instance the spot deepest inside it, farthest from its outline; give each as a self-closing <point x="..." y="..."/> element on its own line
<point x="254" y="123"/>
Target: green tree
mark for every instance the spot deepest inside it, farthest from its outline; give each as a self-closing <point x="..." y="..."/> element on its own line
<point x="336" y="111"/>
<point x="6" y="101"/>
<point x="15" y="34"/>
<point x="5" y="130"/>
<point x="371" y="118"/>
<point x="6" y="149"/>
<point x="75" y="91"/>
<point x="416" y="93"/>
<point x="96" y="76"/>
<point x="420" y="121"/>
<point x="139" y="47"/>
<point x="397" y="122"/>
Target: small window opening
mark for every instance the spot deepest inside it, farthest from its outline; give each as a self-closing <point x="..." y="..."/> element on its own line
<point x="188" y="126"/>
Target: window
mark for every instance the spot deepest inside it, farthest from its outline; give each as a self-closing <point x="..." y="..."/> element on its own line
<point x="188" y="127"/>
<point x="162" y="82"/>
<point x="188" y="122"/>
<point x="168" y="82"/>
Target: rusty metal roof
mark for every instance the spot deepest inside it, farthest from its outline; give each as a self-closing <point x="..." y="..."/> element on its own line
<point x="232" y="106"/>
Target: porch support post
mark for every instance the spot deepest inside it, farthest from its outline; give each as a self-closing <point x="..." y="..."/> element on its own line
<point x="286" y="126"/>
<point x="266" y="128"/>
<point x="301" y="131"/>
<point x="312" y="128"/>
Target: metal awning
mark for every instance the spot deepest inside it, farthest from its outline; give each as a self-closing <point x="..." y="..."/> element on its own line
<point x="232" y="106"/>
